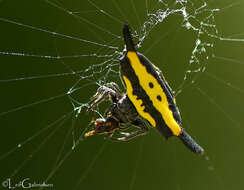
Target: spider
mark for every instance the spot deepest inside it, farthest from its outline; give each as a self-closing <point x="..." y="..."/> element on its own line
<point x="148" y="101"/>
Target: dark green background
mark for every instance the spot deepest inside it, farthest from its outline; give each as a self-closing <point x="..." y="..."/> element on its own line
<point x="215" y="119"/>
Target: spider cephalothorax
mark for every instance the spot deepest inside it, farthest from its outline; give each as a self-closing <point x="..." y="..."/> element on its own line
<point x="119" y="116"/>
<point x="148" y="101"/>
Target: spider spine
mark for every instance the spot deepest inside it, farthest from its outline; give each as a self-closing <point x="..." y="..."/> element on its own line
<point x="190" y="143"/>
<point x="128" y="38"/>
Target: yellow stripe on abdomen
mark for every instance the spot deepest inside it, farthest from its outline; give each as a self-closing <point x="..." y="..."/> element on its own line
<point x="154" y="92"/>
<point x="138" y="103"/>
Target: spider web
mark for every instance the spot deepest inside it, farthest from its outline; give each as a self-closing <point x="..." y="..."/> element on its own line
<point x="55" y="54"/>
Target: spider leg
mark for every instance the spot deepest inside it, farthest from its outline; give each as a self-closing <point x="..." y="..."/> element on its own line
<point x="128" y="136"/>
<point x="101" y="95"/>
<point x="110" y="89"/>
<point x="115" y="87"/>
<point x="108" y="135"/>
<point x="124" y="126"/>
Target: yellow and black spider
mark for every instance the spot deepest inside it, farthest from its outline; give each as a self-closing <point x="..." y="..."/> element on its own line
<point x="148" y="101"/>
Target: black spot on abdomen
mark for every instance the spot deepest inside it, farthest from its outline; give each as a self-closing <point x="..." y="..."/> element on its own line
<point x="159" y="98"/>
<point x="151" y="85"/>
